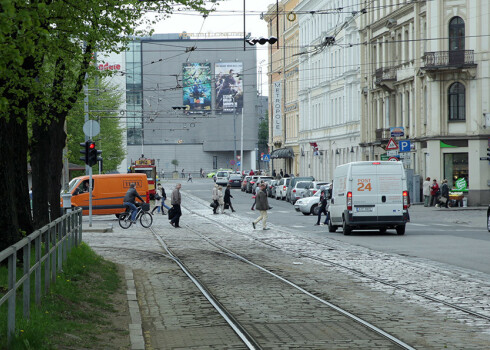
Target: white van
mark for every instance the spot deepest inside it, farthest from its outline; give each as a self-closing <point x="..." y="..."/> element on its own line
<point x="369" y="195"/>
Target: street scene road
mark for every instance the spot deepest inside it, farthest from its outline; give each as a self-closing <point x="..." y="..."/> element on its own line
<point x="408" y="286"/>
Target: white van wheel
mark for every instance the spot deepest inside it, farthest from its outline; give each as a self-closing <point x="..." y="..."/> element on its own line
<point x="345" y="228"/>
<point x="331" y="228"/>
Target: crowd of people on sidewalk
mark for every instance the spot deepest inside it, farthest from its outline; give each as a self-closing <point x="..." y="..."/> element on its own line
<point x="435" y="195"/>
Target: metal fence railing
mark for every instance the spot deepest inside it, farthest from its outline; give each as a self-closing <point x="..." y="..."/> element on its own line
<point x="51" y="245"/>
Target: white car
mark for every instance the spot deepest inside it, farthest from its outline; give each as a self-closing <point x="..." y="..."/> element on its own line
<point x="222" y="177"/>
<point x="308" y="205"/>
<point x="282" y="187"/>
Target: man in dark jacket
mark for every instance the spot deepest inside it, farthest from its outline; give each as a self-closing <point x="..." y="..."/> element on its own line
<point x="130" y="201"/>
<point x="261" y="204"/>
<point x="176" y="199"/>
<point x="323" y="207"/>
<point x="227" y="198"/>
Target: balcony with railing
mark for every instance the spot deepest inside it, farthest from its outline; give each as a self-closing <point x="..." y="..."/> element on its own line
<point x="449" y="60"/>
<point x="384" y="77"/>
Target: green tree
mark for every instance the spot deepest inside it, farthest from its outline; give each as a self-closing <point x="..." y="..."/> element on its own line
<point x="106" y="100"/>
<point x="175" y="163"/>
<point x="47" y="49"/>
<point x="263" y="137"/>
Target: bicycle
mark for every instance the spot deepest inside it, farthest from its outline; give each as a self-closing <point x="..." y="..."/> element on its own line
<point x="142" y="213"/>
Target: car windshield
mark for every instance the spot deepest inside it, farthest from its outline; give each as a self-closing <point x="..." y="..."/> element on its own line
<point x="222" y="174"/>
<point x="73" y="183"/>
<point x="302" y="184"/>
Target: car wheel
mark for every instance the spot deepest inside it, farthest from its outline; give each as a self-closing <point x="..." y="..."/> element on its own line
<point x="382" y="230"/>
<point x="306" y="214"/>
<point x="331" y="228"/>
<point x="346" y="230"/>
<point x="400" y="230"/>
<point x="315" y="209"/>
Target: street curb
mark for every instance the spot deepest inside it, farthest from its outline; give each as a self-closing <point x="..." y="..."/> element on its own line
<point x="135" y="328"/>
<point x="101" y="230"/>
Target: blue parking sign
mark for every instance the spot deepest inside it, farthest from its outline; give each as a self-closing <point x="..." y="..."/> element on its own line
<point x="404" y="146"/>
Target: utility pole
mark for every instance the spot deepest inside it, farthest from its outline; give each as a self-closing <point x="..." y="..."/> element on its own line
<point x="234" y="132"/>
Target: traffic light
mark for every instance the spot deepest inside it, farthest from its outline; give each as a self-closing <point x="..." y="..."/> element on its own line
<point x="84" y="151"/>
<point x="271" y="40"/>
<point x="93" y="153"/>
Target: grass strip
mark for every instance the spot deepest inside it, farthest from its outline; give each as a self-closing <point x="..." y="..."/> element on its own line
<point x="85" y="309"/>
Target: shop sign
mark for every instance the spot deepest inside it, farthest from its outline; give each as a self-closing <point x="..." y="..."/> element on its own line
<point x="277" y="108"/>
<point x="397" y="131"/>
<point x="461" y="184"/>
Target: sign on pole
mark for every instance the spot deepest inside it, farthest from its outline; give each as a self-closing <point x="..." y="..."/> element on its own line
<point x="391" y="144"/>
<point x="404" y="145"/>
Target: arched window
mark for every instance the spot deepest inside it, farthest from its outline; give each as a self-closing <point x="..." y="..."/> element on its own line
<point x="457" y="101"/>
<point x="456" y="34"/>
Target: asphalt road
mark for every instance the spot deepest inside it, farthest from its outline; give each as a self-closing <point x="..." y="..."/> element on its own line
<point x="455" y="237"/>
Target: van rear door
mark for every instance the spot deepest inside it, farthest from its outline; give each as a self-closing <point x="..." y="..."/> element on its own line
<point x="390" y="193"/>
<point x="365" y="189"/>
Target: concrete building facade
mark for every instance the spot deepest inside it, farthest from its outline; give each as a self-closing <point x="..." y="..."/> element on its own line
<point x="425" y="72"/>
<point x="329" y="87"/>
<point x="185" y="99"/>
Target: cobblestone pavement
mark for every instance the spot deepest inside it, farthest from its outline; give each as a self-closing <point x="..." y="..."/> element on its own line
<point x="175" y="315"/>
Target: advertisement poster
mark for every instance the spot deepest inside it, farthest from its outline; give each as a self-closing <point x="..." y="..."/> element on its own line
<point x="197" y="86"/>
<point x="229" y="86"/>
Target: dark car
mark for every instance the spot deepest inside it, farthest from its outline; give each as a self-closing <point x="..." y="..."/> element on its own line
<point x="292" y="183"/>
<point x="488" y="218"/>
<point x="235" y="180"/>
<point x="250" y="183"/>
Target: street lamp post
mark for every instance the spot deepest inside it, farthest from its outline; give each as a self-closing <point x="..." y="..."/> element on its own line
<point x="234" y="132"/>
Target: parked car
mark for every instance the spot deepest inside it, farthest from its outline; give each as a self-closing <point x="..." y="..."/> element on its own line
<point x="315" y="186"/>
<point x="488" y="218"/>
<point x="259" y="180"/>
<point x="235" y="180"/>
<point x="245" y="181"/>
<point x="282" y="187"/>
<point x="250" y="183"/>
<point x="222" y="177"/>
<point x="271" y="188"/>
<point x="298" y="190"/>
<point x="292" y="183"/>
<point x="308" y="205"/>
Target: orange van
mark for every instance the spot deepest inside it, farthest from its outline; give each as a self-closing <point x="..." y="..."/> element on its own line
<point x="108" y="192"/>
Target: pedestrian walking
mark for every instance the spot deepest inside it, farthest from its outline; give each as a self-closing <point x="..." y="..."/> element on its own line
<point x="262" y="204"/>
<point x="228" y="198"/>
<point x="215" y="198"/>
<point x="281" y="173"/>
<point x="254" y="192"/>
<point x="164" y="198"/>
<point x="434" y="192"/>
<point x="274" y="175"/>
<point x="182" y="174"/>
<point x="251" y="173"/>
<point x="189" y="178"/>
<point x="130" y="201"/>
<point x="426" y="191"/>
<point x="201" y="172"/>
<point x="176" y="200"/>
<point x="221" y="200"/>
<point x="444" y="200"/>
<point x="158" y="200"/>
<point x="323" y="207"/>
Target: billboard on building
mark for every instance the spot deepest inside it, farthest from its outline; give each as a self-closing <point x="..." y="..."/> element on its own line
<point x="229" y="86"/>
<point x="197" y="86"/>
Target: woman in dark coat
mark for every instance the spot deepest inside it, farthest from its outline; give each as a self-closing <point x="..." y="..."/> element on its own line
<point x="228" y="198"/>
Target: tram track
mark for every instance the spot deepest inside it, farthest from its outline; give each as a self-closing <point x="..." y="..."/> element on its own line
<point x="248" y="339"/>
<point x="347" y="268"/>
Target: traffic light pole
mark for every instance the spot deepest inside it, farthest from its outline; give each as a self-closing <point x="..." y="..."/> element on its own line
<point x="90" y="196"/>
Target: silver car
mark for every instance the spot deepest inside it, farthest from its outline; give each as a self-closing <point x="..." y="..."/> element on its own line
<point x="299" y="188"/>
<point x="308" y="205"/>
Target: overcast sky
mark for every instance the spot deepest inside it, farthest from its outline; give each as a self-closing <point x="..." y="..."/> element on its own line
<point x="228" y="17"/>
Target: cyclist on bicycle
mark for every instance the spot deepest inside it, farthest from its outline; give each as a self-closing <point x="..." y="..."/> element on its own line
<point x="130" y="201"/>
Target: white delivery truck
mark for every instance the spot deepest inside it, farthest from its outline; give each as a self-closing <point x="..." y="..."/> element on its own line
<point x="369" y="195"/>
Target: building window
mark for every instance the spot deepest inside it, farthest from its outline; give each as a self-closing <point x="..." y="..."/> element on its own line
<point x="456" y="170"/>
<point x="456" y="101"/>
<point x="456" y="34"/>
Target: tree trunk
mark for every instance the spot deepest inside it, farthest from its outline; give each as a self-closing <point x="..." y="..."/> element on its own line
<point x="40" y="163"/>
<point x="9" y="223"/>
